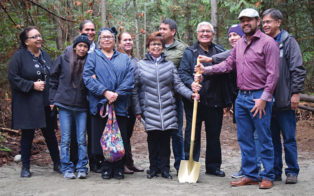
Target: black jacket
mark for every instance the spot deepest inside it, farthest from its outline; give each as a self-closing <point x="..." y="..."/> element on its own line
<point x="62" y="89"/>
<point x="28" y="105"/>
<point x="292" y="72"/>
<point x="216" y="89"/>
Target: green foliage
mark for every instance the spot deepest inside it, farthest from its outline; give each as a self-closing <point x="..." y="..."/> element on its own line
<point x="298" y="20"/>
<point x="2" y="146"/>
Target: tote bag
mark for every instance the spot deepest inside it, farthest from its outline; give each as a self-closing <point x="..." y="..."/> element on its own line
<point x="111" y="140"/>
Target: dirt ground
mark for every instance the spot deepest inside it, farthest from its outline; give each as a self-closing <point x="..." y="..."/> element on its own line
<point x="46" y="182"/>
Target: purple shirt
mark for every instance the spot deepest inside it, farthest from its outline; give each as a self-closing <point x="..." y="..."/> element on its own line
<point x="257" y="64"/>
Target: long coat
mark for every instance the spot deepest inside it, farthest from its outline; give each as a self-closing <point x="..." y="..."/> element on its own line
<point x="28" y="105"/>
<point x="153" y="94"/>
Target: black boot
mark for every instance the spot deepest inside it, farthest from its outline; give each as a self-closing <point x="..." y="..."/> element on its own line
<point x="25" y="173"/>
<point x="57" y="168"/>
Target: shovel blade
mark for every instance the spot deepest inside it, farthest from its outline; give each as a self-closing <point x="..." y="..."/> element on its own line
<point x="189" y="171"/>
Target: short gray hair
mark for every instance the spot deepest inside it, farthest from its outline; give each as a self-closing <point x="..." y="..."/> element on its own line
<point x="274" y="13"/>
<point x="205" y="23"/>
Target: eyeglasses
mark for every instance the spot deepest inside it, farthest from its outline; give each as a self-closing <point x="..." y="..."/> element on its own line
<point x="106" y="37"/>
<point x="205" y="31"/>
<point x="267" y="21"/>
<point x="35" y="37"/>
<point x="155" y="44"/>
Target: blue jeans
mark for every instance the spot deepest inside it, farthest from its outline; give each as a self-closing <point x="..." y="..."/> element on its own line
<point x="65" y="117"/>
<point x="258" y="150"/>
<point x="246" y="124"/>
<point x="177" y="137"/>
<point x="284" y="122"/>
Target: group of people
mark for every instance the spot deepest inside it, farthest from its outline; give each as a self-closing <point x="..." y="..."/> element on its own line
<point x="262" y="76"/>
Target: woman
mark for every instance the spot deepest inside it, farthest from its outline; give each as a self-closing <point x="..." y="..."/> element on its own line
<point x="69" y="94"/>
<point x="28" y="76"/>
<point x="125" y="45"/>
<point x="108" y="75"/>
<point x="156" y="81"/>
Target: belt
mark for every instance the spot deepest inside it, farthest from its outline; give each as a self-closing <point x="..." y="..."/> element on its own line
<point x="248" y="91"/>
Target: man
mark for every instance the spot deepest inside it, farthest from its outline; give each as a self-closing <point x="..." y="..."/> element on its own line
<point x="213" y="99"/>
<point x="87" y="27"/>
<point x="290" y="84"/>
<point x="256" y="59"/>
<point x="174" y="50"/>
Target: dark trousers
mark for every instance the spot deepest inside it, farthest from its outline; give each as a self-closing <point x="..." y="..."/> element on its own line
<point x="97" y="127"/>
<point x="128" y="151"/>
<point x="213" y="123"/>
<point x="50" y="138"/>
<point x="159" y="146"/>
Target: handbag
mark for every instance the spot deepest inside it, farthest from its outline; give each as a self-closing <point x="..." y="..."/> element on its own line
<point x="111" y="140"/>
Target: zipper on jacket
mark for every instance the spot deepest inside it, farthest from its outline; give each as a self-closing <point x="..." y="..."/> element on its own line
<point x="158" y="89"/>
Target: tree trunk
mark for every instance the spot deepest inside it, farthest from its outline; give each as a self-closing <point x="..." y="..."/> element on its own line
<point x="311" y="11"/>
<point x="188" y="27"/>
<point x="214" y="18"/>
<point x="144" y="38"/>
<point x="137" y="33"/>
<point x="59" y="38"/>
<point x="103" y="12"/>
<point x="71" y="30"/>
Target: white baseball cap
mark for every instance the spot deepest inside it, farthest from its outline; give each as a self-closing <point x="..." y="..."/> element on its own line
<point x="248" y="12"/>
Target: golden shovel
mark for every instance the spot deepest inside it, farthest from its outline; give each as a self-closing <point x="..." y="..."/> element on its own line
<point x="189" y="169"/>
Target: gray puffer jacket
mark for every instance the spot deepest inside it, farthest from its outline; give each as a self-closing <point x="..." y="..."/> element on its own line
<point x="153" y="93"/>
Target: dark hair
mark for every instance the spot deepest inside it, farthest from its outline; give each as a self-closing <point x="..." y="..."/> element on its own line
<point x="172" y="24"/>
<point x="24" y="35"/>
<point x="119" y="41"/>
<point x="156" y="36"/>
<point x="85" y="22"/>
<point x="76" y="67"/>
<point x="274" y="13"/>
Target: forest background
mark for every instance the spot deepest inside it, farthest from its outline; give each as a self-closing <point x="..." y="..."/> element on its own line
<point x="58" y="22"/>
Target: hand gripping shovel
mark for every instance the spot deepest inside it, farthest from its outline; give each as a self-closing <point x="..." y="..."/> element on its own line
<point x="189" y="169"/>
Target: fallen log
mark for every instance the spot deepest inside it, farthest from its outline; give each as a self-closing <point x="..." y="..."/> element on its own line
<point x="307" y="98"/>
<point x="306" y="108"/>
<point x="9" y="130"/>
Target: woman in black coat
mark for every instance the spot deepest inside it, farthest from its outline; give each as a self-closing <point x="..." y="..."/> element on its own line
<point x="29" y="78"/>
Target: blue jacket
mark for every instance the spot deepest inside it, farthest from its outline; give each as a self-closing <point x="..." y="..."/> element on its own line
<point x="114" y="75"/>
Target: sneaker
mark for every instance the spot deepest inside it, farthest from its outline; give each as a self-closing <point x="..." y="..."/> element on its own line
<point x="81" y="175"/>
<point x="291" y="179"/>
<point x="237" y="175"/>
<point x="25" y="173"/>
<point x="278" y="178"/>
<point x="69" y="175"/>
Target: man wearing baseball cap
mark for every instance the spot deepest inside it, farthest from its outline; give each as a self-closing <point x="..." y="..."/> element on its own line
<point x="256" y="59"/>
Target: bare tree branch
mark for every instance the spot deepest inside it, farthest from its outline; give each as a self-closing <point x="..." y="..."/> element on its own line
<point x="50" y="12"/>
<point x="5" y="10"/>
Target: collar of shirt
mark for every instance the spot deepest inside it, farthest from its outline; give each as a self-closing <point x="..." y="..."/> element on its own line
<point x="255" y="36"/>
<point x="92" y="47"/>
<point x="155" y="59"/>
<point x="278" y="37"/>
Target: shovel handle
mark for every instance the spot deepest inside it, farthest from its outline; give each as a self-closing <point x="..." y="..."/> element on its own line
<point x="194" y="121"/>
